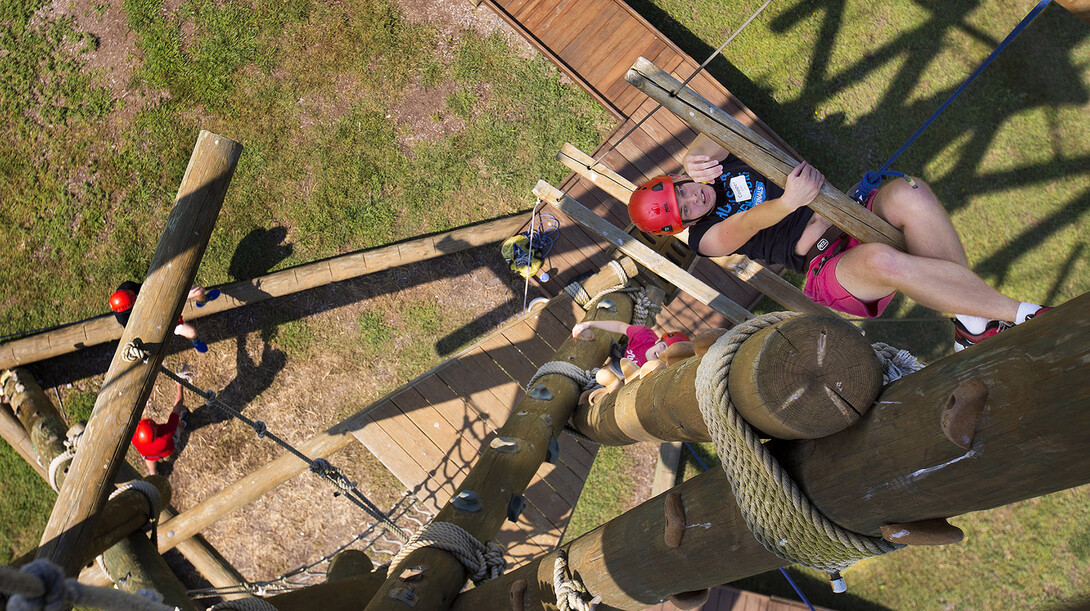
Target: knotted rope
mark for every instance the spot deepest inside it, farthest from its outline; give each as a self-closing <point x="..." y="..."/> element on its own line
<point x="62" y="460"/>
<point x="579" y="294"/>
<point x="896" y="363"/>
<point x="777" y="513"/>
<point x="135" y="351"/>
<point x="483" y="561"/>
<point x="571" y="594"/>
<point x="41" y="586"/>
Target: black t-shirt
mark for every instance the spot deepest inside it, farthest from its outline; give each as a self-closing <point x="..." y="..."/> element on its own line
<point x="739" y="189"/>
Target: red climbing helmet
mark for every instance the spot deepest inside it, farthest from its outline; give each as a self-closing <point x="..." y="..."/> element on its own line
<point x="145" y="432"/>
<point x="653" y="207"/>
<point x="673" y="337"/>
<point x="122" y="300"/>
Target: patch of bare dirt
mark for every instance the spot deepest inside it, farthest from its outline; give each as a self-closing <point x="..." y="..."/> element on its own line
<point x="450" y="18"/>
<point x="421" y="116"/>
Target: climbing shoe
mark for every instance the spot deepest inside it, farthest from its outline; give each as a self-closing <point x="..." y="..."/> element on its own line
<point x="208" y="296"/>
<point x="963" y="339"/>
<point x="1039" y="311"/>
<point x="200" y="346"/>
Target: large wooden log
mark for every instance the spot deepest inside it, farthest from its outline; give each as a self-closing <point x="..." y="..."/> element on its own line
<point x="13" y="432"/>
<point x="285" y="282"/>
<point x="809" y="375"/>
<point x="123" y="515"/>
<point x="760" y="154"/>
<point x="1032" y="438"/>
<point x="650" y="259"/>
<point x="127" y="385"/>
<point x="135" y="565"/>
<point x="39" y="417"/>
<point x="742" y="267"/>
<point x="502" y="472"/>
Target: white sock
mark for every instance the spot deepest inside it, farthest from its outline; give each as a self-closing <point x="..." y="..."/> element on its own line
<point x="973" y="324"/>
<point x="1025" y="309"/>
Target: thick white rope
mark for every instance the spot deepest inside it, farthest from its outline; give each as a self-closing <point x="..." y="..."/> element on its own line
<point x="571" y="594"/>
<point x="41" y="586"/>
<point x="483" y="561"/>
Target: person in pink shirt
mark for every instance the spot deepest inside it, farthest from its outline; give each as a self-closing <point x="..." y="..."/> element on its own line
<point x="643" y="343"/>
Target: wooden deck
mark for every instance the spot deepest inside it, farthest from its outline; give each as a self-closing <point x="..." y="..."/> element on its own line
<point x="430" y="433"/>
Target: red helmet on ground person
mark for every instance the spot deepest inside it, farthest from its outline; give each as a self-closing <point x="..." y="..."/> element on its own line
<point x="122" y="300"/>
<point x="653" y="207"/>
<point x="673" y="337"/>
<point x="145" y="432"/>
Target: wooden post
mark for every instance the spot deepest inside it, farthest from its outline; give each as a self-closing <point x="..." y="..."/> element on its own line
<point x="741" y="266"/>
<point x="13" y="432"/>
<point x="39" y="417"/>
<point x="797" y="393"/>
<point x="135" y="565"/>
<point x="334" y="595"/>
<point x="502" y="472"/>
<point x="760" y="154"/>
<point x="127" y="385"/>
<point x="903" y="466"/>
<point x="644" y="255"/>
<point x="1078" y="8"/>
<point x="284" y="282"/>
<point x="122" y="516"/>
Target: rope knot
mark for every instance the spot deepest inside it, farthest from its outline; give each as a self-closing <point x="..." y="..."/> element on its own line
<point x="260" y="428"/>
<point x="570" y="592"/>
<point x="135" y="351"/>
<point x="56" y="593"/>
<point x="210" y="397"/>
<point x="483" y="561"/>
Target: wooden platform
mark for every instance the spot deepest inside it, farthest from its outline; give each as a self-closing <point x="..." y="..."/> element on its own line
<point x="430" y="433"/>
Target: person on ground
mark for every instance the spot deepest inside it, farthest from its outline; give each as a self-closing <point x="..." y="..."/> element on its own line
<point x="123" y="298"/>
<point x="155" y="442"/>
<point x="728" y="208"/>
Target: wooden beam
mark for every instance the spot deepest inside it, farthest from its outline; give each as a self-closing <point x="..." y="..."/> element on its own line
<point x="38" y="416"/>
<point x="13" y="432"/>
<point x="503" y="470"/>
<point x="135" y="565"/>
<point x="103" y="329"/>
<point x="742" y="267"/>
<point x="127" y="386"/>
<point x="1032" y="438"/>
<point x="760" y="154"/>
<point x="642" y="254"/>
<point x="666" y="467"/>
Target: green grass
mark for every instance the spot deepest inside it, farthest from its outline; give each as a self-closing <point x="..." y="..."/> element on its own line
<point x="607" y="491"/>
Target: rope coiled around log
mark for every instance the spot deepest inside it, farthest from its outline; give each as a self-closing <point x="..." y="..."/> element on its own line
<point x="483" y="561"/>
<point x="42" y="586"/>
<point x="774" y="508"/>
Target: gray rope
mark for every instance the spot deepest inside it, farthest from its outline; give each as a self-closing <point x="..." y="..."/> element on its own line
<point x="483" y="561"/>
<point x="151" y="495"/>
<point x="579" y="294"/>
<point x="41" y="586"/>
<point x="571" y="594"/>
<point x="896" y="363"/>
<point x="135" y="351"/>
<point x="583" y="377"/>
<point x="775" y="510"/>
<point x="319" y="466"/>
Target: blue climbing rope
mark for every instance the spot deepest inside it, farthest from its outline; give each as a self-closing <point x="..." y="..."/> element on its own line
<point x="704" y="466"/>
<point x="872" y="180"/>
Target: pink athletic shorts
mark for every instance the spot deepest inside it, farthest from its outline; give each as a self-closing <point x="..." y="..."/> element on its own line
<point x="822" y="286"/>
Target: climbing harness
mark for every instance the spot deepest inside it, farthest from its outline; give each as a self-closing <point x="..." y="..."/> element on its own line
<point x="525" y="252"/>
<point x="775" y="510"/>
<point x="872" y="180"/>
<point x="571" y="594"/>
<point x="483" y="561"/>
<point x="41" y="585"/>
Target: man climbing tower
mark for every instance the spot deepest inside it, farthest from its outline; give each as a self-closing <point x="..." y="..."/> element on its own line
<point x="122" y="300"/>
<point x="156" y="442"/>
<point x="728" y="207"/>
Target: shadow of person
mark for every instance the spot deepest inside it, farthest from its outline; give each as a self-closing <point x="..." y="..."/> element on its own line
<point x="258" y="252"/>
<point x="251" y="379"/>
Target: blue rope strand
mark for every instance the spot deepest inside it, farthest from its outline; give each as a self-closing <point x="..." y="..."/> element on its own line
<point x="1006" y="41"/>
